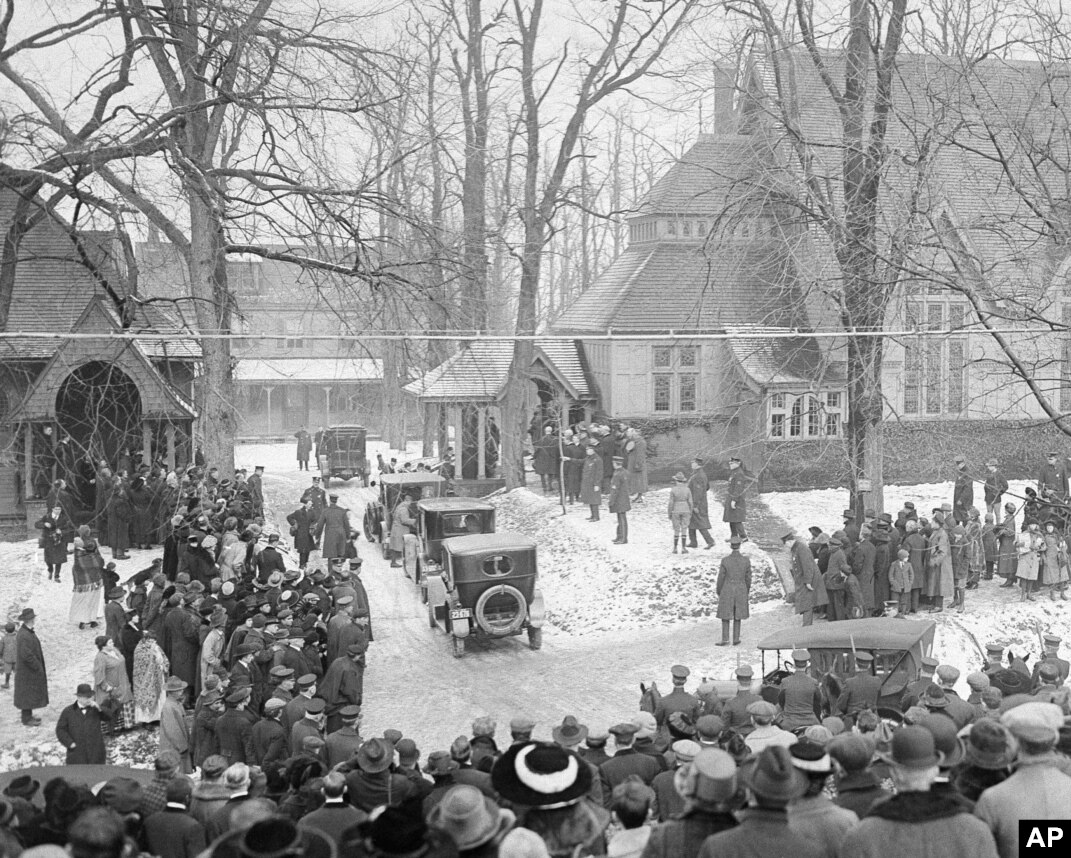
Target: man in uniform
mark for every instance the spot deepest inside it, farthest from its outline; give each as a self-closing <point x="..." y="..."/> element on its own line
<point x="678" y="700"/>
<point x="861" y="691"/>
<point x="619" y="501"/>
<point x="800" y="698"/>
<point x="343" y="684"/>
<point x="733" y="587"/>
<point x="736" y="499"/>
<point x="959" y="710"/>
<point x="734" y="713"/>
<point x="995" y="486"/>
<point x="312" y="724"/>
<point x="344" y="742"/>
<point x="256" y="490"/>
<point x="962" y="492"/>
<point x="1050" y="656"/>
<point x="1053" y="475"/>
<point x="994" y="660"/>
<point x="625" y="762"/>
<point x="296" y="708"/>
<point x="316" y="498"/>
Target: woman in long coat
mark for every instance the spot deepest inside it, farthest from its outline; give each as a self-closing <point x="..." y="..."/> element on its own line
<point x="1007" y="556"/>
<point x="1029" y="547"/>
<point x="119" y="515"/>
<point x="151" y="669"/>
<point x="939" y="579"/>
<point x="637" y="463"/>
<point x="591" y="480"/>
<point x="699" y="485"/>
<point x="1054" y="572"/>
<point x="141" y="524"/>
<point x="88" y="588"/>
<point x="110" y="680"/>
<point x="54" y="542"/>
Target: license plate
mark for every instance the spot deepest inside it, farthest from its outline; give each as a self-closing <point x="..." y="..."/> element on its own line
<point x="460" y="613"/>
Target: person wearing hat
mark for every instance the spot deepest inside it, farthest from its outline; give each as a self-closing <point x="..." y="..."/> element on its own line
<point x="211" y="655"/>
<point x="861" y="691"/>
<point x="174" y="732"/>
<point x="959" y="710"/>
<point x="467" y="773"/>
<point x="772" y="782"/>
<point x="31" y="678"/>
<point x="372" y="783"/>
<point x="181" y="637"/>
<point x="342" y="744"/>
<point x="994" y="487"/>
<point x="269" y="740"/>
<point x="166" y="768"/>
<point x="520" y="729"/>
<point x="962" y="491"/>
<point x="209" y="793"/>
<point x="336" y="815"/>
<point x="79" y="729"/>
<point x="813" y="815"/>
<point x="546" y="457"/>
<point x="1054" y="474"/>
<point x="317" y="500"/>
<point x="679" y="510"/>
<point x="591" y="476"/>
<point x="619" y="501"/>
<point x="858" y="787"/>
<point x="977" y="682"/>
<point x="699" y="522"/>
<point x="836" y="575"/>
<point x="800" y="697"/>
<point x="234" y="728"/>
<point x="915" y="819"/>
<point x="707" y="786"/>
<point x="310" y="724"/>
<point x="594" y="748"/>
<point x="473" y="820"/>
<point x="19" y="794"/>
<point x="343" y="684"/>
<point x="636" y="462"/>
<point x="735" y="505"/>
<point x="764" y="732"/>
<point x="668" y="801"/>
<point x="940" y="577"/>
<point x="1051" y="655"/>
<point x="114" y="615"/>
<point x="644" y="741"/>
<point x="306" y="688"/>
<point x="734" y="712"/>
<point x="210" y="705"/>
<point x="851" y="529"/>
<point x="301" y="524"/>
<point x="54" y="528"/>
<point x="989" y="756"/>
<point x="626" y="761"/>
<point x="805" y="575"/>
<point x="333" y="527"/>
<point x="402" y="524"/>
<point x="678" y="700"/>
<point x="916" y="688"/>
<point x="171" y="832"/>
<point x="1038" y="789"/>
<point x="733" y="587"/>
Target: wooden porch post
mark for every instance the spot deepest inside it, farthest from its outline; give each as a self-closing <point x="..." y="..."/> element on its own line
<point x="459" y="438"/>
<point x="327" y="406"/>
<point x="146" y="443"/>
<point x="267" y="391"/>
<point x="169" y="437"/>
<point x="481" y="442"/>
<point x="27" y="464"/>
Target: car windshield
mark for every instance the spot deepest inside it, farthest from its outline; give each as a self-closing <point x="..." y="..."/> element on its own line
<point x="887" y="663"/>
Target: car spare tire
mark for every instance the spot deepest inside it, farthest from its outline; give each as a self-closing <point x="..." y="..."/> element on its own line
<point x="501" y="610"/>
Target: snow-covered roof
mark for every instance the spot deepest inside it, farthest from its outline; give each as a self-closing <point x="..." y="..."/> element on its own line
<point x="302" y="370"/>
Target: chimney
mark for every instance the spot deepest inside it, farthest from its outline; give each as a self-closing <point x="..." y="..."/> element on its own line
<point x="725" y="117"/>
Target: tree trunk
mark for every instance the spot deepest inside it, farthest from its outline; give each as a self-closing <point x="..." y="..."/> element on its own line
<point x="864" y="428"/>
<point x="208" y="285"/>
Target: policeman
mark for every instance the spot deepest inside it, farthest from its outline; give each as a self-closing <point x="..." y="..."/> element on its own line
<point x="1052" y="646"/>
<point x="800" y="698"/>
<point x="678" y="700"/>
<point x="734" y="712"/>
<point x="914" y="691"/>
<point x="994" y="659"/>
<point x="860" y="691"/>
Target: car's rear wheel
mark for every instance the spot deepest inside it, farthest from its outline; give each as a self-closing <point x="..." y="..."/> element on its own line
<point x="501" y="610"/>
<point x="535" y="638"/>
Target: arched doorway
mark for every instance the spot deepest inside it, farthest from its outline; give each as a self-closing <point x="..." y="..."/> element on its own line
<point x="99" y="407"/>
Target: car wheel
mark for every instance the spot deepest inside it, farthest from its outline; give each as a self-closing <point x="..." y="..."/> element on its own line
<point x="369" y="533"/>
<point x="459" y="646"/>
<point x="535" y="638"/>
<point x="501" y="610"/>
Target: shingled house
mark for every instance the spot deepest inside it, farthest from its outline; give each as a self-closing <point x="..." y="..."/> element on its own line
<point x="722" y="247"/>
<point x="104" y="396"/>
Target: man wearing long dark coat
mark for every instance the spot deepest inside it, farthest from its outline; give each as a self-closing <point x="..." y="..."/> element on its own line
<point x="733" y="587"/>
<point x="736" y="499"/>
<point x="181" y="627"/>
<point x="31" y="680"/>
<point x="78" y="730"/>
<point x="698" y="484"/>
<point x="805" y="575"/>
<point x="334" y="526"/>
<point x="343" y="684"/>
<point x="301" y="524"/>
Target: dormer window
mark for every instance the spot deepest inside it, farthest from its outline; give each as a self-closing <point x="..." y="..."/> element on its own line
<point x="671" y="228"/>
<point x="686" y="229"/>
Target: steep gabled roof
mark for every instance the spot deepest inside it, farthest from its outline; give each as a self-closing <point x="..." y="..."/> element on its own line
<point x="478" y="372"/>
<point x="769" y="361"/>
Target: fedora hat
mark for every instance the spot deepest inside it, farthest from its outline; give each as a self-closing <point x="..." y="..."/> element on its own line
<point x="772" y="776"/>
<point x="394" y="833"/>
<point x="679" y="477"/>
<point x="945" y="738"/>
<point x="990" y="746"/>
<point x="570" y="732"/>
<point x="913" y="747"/>
<point x="470" y="818"/>
<point x="440" y="763"/>
<point x="375" y="755"/>
<point x="541" y="774"/>
<point x="22" y="787"/>
<point x="27" y="614"/>
<point x="175" y="684"/>
<point x="275" y="837"/>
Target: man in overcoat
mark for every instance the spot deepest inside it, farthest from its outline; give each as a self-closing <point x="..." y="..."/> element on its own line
<point x="804" y="575"/>
<point x="343" y="684"/>
<point x="304" y="447"/>
<point x="698" y="484"/>
<point x="995" y="486"/>
<point x="733" y="587"/>
<point x="962" y="492"/>
<point x="591" y="479"/>
<point x="619" y="501"/>
<point x="334" y="526"/>
<point x="636" y="446"/>
<point x="78" y="729"/>
<point x="736" y="498"/>
<point x="181" y="634"/>
<point x="256" y="490"/>
<point x="1053" y="474"/>
<point x="31" y="679"/>
<point x="301" y="524"/>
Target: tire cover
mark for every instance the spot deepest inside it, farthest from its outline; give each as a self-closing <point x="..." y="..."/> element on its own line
<point x="515" y="624"/>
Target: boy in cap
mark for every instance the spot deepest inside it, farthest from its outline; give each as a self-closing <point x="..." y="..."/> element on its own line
<point x="764" y="733"/>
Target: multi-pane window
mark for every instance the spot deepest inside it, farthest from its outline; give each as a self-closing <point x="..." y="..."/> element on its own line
<point x="935" y="367"/>
<point x="806" y="415"/>
<point x="675" y="379"/>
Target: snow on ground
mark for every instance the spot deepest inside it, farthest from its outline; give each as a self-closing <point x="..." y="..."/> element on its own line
<point x="592" y="585"/>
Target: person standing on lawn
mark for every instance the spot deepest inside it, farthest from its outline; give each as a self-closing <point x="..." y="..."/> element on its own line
<point x="591" y="479"/>
<point x="733" y="587"/>
<point x="619" y="502"/>
<point x="53" y="541"/>
<point x="304" y="447"/>
<point x="680" y="511"/>
<point x="698" y="485"/>
<point x="805" y="575"/>
<point x="636" y="448"/>
<point x="735" y="500"/>
<point x="31" y="679"/>
<point x="79" y="729"/>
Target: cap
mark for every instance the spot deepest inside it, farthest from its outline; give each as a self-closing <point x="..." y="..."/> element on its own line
<point x="947" y="673"/>
<point x="801" y="655"/>
<point x="281" y="671"/>
<point x="348" y="713"/>
<point x="624" y="730"/>
<point x="274" y="703"/>
<point x="762" y="709"/>
<point x="864" y="657"/>
<point x="306" y="680"/>
<point x="521" y="724"/>
<point x="685" y="750"/>
<point x="744" y="672"/>
<point x="993" y="648"/>
<point x="646" y="724"/>
<point x="679" y="671"/>
<point x="1051" y="639"/>
<point x="977" y="681"/>
<point x="314" y="706"/>
<point x="407" y="751"/>
<point x="239" y="696"/>
<point x="709" y="727"/>
<point x="929" y="662"/>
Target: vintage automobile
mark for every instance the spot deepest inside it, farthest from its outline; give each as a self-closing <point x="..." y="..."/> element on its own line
<point x="898" y="647"/>
<point x="378" y="513"/>
<point x="486" y="589"/>
<point x="438" y="519"/>
<point x="342" y="454"/>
